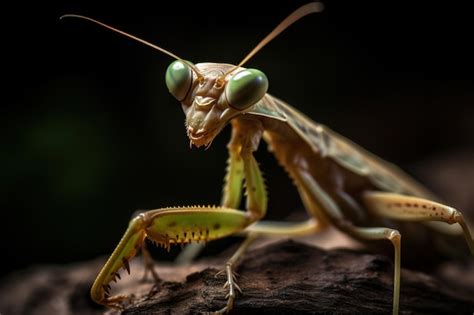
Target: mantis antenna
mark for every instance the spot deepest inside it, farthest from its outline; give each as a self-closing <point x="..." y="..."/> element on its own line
<point x="200" y="76"/>
<point x="313" y="7"/>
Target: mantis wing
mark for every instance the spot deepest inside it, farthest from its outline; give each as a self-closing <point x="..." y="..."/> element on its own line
<point x="324" y="141"/>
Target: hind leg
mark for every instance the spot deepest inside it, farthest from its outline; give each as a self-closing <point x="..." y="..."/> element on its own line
<point x="406" y="208"/>
<point x="331" y="209"/>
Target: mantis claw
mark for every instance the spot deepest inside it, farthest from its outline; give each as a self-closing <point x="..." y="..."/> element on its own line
<point x="233" y="286"/>
<point x="238" y="288"/>
<point x="164" y="227"/>
<point x="116" y="302"/>
<point x="219" y="273"/>
<point x="126" y="265"/>
<point x="148" y="262"/>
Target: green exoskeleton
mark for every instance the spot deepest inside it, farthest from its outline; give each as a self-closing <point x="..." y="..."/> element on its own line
<point x="340" y="183"/>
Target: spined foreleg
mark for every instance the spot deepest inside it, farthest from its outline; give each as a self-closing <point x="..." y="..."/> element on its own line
<point x="164" y="227"/>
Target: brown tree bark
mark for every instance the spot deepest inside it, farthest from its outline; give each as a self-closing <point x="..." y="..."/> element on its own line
<point x="284" y="277"/>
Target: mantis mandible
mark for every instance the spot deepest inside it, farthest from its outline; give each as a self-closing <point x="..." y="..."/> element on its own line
<point x="340" y="183"/>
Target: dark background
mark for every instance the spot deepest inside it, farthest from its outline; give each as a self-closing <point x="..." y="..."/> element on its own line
<point x="90" y="133"/>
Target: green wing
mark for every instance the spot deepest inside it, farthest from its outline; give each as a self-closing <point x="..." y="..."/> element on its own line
<point x="324" y="141"/>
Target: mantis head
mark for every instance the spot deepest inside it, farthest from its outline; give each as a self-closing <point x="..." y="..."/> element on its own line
<point x="213" y="95"/>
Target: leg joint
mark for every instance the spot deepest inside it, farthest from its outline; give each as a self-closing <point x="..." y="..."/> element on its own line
<point x="456" y="217"/>
<point x="394" y="236"/>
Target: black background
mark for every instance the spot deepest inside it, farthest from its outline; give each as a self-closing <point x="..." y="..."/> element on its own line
<point x="90" y="133"/>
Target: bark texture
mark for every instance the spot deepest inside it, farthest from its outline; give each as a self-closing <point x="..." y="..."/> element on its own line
<point x="283" y="277"/>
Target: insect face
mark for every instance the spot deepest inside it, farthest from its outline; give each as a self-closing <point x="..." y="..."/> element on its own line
<point x="212" y="94"/>
<point x="212" y="97"/>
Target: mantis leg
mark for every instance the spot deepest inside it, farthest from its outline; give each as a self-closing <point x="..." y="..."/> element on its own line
<point x="314" y="224"/>
<point x="244" y="141"/>
<point x="324" y="201"/>
<point x="381" y="233"/>
<point x="231" y="198"/>
<point x="231" y="192"/>
<point x="231" y="278"/>
<point x="406" y="208"/>
<point x="276" y="228"/>
<point x="149" y="262"/>
<point x="186" y="224"/>
<point x="254" y="231"/>
<point x="310" y="226"/>
<point x="147" y="258"/>
<point x="165" y="227"/>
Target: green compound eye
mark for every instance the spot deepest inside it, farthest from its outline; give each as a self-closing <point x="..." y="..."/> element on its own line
<point x="246" y="88"/>
<point x="179" y="78"/>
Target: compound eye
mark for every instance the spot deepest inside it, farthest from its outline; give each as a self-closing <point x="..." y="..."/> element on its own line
<point x="179" y="79"/>
<point x="246" y="88"/>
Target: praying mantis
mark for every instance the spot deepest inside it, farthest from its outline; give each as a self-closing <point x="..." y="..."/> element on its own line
<point x="340" y="183"/>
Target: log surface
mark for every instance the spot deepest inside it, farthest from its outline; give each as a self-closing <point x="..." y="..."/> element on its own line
<point x="283" y="277"/>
